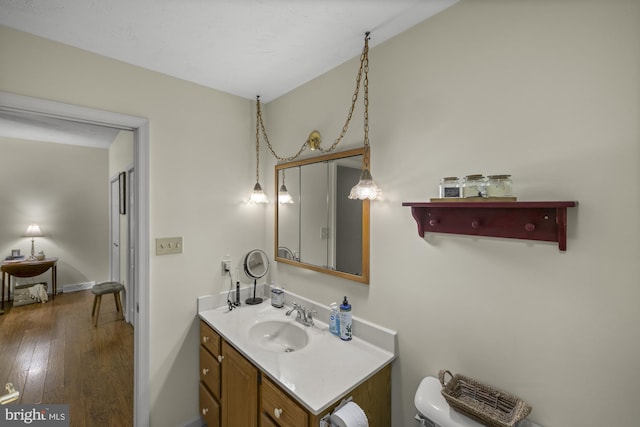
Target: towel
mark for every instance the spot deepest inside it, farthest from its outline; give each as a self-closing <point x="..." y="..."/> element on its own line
<point x="38" y="293"/>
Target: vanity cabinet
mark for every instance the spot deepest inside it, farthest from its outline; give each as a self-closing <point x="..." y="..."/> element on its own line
<point x="228" y="383"/>
<point x="248" y="397"/>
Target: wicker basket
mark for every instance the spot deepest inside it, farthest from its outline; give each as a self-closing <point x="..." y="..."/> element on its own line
<point x="483" y="403"/>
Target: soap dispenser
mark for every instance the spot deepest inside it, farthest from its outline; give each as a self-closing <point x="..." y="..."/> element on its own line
<point x="334" y="320"/>
<point x="345" y="320"/>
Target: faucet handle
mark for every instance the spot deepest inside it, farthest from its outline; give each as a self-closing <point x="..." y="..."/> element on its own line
<point x="308" y="316"/>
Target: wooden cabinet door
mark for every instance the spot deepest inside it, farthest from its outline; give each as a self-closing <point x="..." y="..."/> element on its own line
<point x="239" y="389"/>
<point x="280" y="407"/>
<point x="210" y="372"/>
<point x="265" y="421"/>
<point x="210" y="339"/>
<point x="209" y="408"/>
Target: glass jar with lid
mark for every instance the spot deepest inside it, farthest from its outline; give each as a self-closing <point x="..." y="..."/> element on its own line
<point x="450" y="187"/>
<point x="499" y="186"/>
<point x="474" y="186"/>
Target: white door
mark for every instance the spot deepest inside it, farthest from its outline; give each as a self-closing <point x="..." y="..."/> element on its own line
<point x="114" y="261"/>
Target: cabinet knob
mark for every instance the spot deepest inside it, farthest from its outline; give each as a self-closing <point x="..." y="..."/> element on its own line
<point x="205" y="371"/>
<point x="204" y="411"/>
<point x="205" y="339"/>
<point x="529" y="227"/>
<point x="220" y="357"/>
<point x="433" y="222"/>
<point x="475" y="223"/>
<point x="277" y="412"/>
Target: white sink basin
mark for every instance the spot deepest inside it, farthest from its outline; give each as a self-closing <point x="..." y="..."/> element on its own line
<point x="278" y="336"/>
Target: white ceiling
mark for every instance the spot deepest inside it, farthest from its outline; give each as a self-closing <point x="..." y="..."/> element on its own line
<point x="242" y="47"/>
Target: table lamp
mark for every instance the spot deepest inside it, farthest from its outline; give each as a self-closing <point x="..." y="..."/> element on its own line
<point x="33" y="230"/>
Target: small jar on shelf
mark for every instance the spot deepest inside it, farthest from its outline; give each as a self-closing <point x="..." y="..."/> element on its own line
<point x="499" y="186"/>
<point x="474" y="186"/>
<point x="450" y="187"/>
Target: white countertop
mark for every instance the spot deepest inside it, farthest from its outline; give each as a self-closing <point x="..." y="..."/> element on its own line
<point x="316" y="375"/>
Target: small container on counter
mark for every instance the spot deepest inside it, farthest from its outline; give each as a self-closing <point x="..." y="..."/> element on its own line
<point x="277" y="297"/>
<point x="499" y="186"/>
<point x="474" y="186"/>
<point x="450" y="187"/>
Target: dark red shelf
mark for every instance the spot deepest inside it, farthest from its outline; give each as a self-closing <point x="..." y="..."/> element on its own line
<point x="545" y="221"/>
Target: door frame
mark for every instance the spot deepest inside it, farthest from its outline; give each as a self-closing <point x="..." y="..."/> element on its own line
<point x="114" y="228"/>
<point x="140" y="127"/>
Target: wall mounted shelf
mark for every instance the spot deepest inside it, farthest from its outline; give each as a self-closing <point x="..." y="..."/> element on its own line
<point x="545" y="221"/>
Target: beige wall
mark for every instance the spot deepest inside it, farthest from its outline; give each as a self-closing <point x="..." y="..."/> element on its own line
<point x="202" y="169"/>
<point x="64" y="189"/>
<point x="546" y="91"/>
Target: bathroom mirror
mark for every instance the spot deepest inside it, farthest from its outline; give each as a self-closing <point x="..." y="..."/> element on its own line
<point x="321" y="229"/>
<point x="256" y="265"/>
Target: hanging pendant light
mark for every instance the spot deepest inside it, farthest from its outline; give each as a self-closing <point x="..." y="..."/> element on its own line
<point x="258" y="195"/>
<point x="284" y="196"/>
<point x="366" y="187"/>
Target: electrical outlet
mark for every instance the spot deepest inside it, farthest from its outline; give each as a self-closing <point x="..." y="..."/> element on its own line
<point x="168" y="245"/>
<point x="226" y="265"/>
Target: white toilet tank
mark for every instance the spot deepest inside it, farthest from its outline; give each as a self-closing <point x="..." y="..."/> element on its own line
<point x="434" y="411"/>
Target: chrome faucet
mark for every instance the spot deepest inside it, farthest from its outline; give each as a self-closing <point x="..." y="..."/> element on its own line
<point x="303" y="315"/>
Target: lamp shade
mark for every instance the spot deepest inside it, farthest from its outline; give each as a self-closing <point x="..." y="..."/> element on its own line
<point x="258" y="195"/>
<point x="284" y="196"/>
<point x="33" y="230"/>
<point x="366" y="188"/>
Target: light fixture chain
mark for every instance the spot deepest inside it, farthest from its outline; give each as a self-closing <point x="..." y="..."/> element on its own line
<point x="364" y="68"/>
<point x="366" y="101"/>
<point x="258" y="143"/>
<point x="354" y="98"/>
<point x="260" y="122"/>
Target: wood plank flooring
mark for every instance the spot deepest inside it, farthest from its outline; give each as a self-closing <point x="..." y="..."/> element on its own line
<point x="52" y="353"/>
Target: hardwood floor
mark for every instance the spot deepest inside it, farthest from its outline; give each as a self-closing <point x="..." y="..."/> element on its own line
<point x="52" y="353"/>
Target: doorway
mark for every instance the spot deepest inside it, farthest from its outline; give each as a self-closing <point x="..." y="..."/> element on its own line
<point x="140" y="239"/>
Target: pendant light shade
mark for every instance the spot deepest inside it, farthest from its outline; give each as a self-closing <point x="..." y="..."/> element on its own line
<point x="284" y="197"/>
<point x="258" y="195"/>
<point x="366" y="187"/>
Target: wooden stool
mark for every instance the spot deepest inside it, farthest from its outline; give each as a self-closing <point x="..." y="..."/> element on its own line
<point x="103" y="288"/>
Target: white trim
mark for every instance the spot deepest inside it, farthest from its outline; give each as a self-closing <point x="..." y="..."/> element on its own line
<point x="142" y="408"/>
<point x="140" y="127"/>
<point x="74" y="113"/>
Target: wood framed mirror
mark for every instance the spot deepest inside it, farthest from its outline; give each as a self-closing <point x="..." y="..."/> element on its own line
<point x="321" y="229"/>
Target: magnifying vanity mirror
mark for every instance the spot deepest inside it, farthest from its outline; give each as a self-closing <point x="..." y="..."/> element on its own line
<point x="321" y="229"/>
<point x="256" y="265"/>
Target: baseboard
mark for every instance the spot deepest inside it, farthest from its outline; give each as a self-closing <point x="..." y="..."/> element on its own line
<point x="75" y="287"/>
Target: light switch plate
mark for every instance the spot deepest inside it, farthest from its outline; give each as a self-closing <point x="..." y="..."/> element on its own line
<point x="168" y="245"/>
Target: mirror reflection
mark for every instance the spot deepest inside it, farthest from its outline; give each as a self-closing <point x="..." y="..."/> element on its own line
<point x="321" y="229"/>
